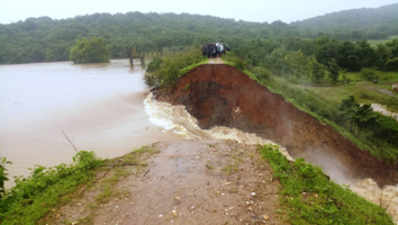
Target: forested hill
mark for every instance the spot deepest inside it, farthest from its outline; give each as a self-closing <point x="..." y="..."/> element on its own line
<point x="356" y="24"/>
<point x="44" y="39"/>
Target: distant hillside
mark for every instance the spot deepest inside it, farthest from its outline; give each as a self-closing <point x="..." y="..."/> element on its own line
<point x="365" y="23"/>
<point x="44" y="39"/>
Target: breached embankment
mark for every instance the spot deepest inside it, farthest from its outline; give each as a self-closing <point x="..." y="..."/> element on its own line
<point x="219" y="95"/>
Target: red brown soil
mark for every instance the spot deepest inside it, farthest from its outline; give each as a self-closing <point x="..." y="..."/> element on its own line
<point x="220" y="95"/>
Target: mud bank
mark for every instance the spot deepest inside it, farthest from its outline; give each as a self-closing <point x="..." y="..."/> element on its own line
<point x="220" y="95"/>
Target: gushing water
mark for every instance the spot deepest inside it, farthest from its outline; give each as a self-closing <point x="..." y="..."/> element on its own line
<point x="178" y="120"/>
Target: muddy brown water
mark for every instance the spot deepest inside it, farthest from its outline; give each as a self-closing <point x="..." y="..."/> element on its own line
<point x="99" y="107"/>
<point x="107" y="108"/>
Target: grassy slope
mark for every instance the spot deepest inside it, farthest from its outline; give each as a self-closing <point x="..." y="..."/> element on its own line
<point x="309" y="197"/>
<point x="35" y="196"/>
<point x="364" y="91"/>
<point x="47" y="189"/>
<point x="291" y="92"/>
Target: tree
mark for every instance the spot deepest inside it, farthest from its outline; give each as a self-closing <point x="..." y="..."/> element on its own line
<point x="348" y="108"/>
<point x="93" y="50"/>
<point x="366" y="54"/>
<point x="348" y="56"/>
<point x="357" y="116"/>
<point x="383" y="53"/>
<point x="3" y="175"/>
<point x="333" y="70"/>
<point x="392" y="64"/>
<point x="318" y="71"/>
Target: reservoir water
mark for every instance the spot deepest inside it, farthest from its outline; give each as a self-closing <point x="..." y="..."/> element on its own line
<point x="98" y="107"/>
<point x="107" y="108"/>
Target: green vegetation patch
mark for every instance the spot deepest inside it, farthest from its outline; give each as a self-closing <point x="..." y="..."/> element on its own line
<point x="34" y="196"/>
<point x="309" y="197"/>
<point x="90" y="50"/>
<point x="165" y="71"/>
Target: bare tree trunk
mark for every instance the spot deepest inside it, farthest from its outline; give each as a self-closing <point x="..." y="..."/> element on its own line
<point x="70" y="141"/>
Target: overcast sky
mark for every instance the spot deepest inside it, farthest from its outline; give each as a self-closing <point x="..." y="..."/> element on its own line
<point x="250" y="10"/>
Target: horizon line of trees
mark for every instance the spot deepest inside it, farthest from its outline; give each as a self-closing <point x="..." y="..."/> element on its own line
<point x="44" y="39"/>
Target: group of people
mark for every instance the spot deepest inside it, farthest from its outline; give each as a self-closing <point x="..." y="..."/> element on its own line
<point x="213" y="50"/>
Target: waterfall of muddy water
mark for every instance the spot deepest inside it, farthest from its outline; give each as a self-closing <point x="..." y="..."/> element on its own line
<point x="178" y="120"/>
<point x="100" y="107"/>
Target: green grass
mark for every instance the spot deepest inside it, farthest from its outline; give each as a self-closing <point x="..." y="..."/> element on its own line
<point x="321" y="108"/>
<point x="364" y="91"/>
<point x="35" y="196"/>
<point x="48" y="188"/>
<point x="185" y="70"/>
<point x="309" y="197"/>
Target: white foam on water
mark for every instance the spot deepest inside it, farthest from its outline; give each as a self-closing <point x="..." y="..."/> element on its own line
<point x="178" y="120"/>
<point x="386" y="197"/>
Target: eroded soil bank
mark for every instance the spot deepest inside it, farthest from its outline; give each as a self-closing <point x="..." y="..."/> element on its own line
<point x="220" y="95"/>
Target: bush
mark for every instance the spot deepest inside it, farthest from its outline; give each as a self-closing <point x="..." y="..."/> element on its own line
<point x="369" y="75"/>
<point x="261" y="73"/>
<point x="392" y="64"/>
<point x="93" y="50"/>
<point x="166" y="70"/>
<point x="3" y="175"/>
<point x="235" y="61"/>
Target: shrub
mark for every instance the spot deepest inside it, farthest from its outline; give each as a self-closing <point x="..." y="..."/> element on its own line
<point x="261" y="73"/>
<point x="369" y="75"/>
<point x="166" y="70"/>
<point x="93" y="50"/>
<point x="3" y="175"/>
<point x="392" y="64"/>
<point x="235" y="61"/>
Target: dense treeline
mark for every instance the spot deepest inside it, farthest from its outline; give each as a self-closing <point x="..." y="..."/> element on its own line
<point x="357" y="24"/>
<point x="45" y="39"/>
<point x="285" y="64"/>
<point x="319" y="60"/>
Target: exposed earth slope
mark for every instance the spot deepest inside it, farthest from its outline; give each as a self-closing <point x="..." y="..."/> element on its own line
<point x="220" y="95"/>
